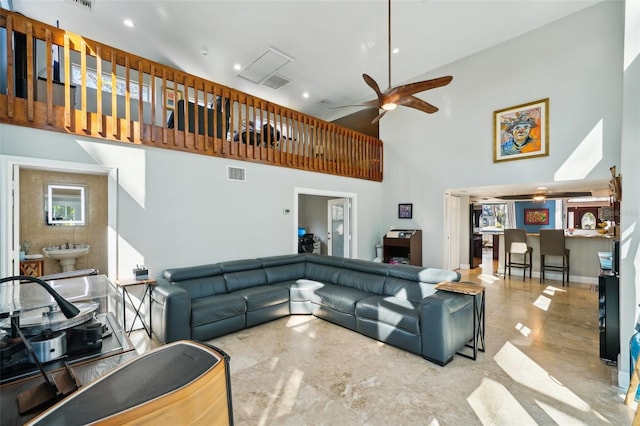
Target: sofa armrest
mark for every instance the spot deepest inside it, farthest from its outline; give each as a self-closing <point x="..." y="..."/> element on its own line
<point x="446" y="323"/>
<point x="170" y="312"/>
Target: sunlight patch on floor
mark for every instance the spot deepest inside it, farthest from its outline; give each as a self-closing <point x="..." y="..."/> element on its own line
<point x="542" y="302"/>
<point x="489" y="279"/>
<point x="495" y="405"/>
<point x="526" y="331"/>
<point x="525" y="371"/>
<point x="551" y="290"/>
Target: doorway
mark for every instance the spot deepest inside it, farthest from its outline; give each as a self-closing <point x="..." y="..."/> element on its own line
<point x="10" y="206"/>
<point x="313" y="212"/>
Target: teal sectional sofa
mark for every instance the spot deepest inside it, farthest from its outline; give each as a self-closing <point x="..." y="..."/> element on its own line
<point x="395" y="304"/>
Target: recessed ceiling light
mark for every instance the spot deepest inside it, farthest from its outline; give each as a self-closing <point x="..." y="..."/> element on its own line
<point x="395" y="51"/>
<point x="129" y="23"/>
<point x="305" y="95"/>
<point x="237" y="67"/>
<point x="542" y="188"/>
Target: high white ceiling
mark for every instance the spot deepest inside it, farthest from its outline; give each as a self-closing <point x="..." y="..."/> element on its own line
<point x="333" y="42"/>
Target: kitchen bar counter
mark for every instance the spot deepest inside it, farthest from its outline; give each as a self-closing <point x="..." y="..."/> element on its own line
<point x="585" y="267"/>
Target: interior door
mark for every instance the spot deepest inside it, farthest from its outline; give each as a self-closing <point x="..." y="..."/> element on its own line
<point x="338" y="227"/>
<point x="14" y="219"/>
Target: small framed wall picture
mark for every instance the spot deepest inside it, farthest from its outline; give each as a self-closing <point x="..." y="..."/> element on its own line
<point x="405" y="211"/>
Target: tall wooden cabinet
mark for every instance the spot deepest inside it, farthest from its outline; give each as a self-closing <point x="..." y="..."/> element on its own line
<point x="404" y="246"/>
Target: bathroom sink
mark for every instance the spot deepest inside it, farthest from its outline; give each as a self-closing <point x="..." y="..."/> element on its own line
<point x="66" y="256"/>
<point x="66" y="253"/>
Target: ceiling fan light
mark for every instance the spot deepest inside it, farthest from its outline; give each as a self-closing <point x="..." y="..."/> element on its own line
<point x="389" y="106"/>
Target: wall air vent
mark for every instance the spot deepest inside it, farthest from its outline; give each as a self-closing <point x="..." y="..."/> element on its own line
<point x="236" y="174"/>
<point x="265" y="66"/>
<point x="85" y="4"/>
<point x="275" y="81"/>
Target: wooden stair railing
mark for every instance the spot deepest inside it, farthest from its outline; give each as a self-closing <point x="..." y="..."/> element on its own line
<point x="110" y="94"/>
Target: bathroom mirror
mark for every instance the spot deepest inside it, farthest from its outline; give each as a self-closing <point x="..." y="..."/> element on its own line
<point x="65" y="205"/>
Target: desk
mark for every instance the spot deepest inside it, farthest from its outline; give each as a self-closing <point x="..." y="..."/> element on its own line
<point x="148" y="288"/>
<point x="477" y="291"/>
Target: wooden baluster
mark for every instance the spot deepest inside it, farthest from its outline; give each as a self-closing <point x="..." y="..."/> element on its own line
<point x="30" y="76"/>
<point x="83" y="88"/>
<point x="127" y="98"/>
<point x="164" y="108"/>
<point x="115" y="125"/>
<point x="99" y="88"/>
<point x="140" y="109"/>
<point x="49" y="84"/>
<point x="185" y="113"/>
<point x="67" y="86"/>
<point x="152" y="94"/>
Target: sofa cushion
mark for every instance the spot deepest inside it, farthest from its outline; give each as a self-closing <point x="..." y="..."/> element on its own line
<point x="263" y="296"/>
<point x="342" y="299"/>
<point x="190" y="272"/>
<point x="366" y="266"/>
<point x="371" y="283"/>
<point x="245" y="279"/>
<point x="400" y="313"/>
<point x="280" y="273"/>
<point x="285" y="259"/>
<point x="240" y="265"/>
<point x="405" y="289"/>
<point x="203" y="287"/>
<point x="323" y="273"/>
<point x="215" y="308"/>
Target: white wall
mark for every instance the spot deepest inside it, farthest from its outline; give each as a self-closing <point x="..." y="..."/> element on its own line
<point x="630" y="205"/>
<point x="178" y="209"/>
<point x="575" y="62"/>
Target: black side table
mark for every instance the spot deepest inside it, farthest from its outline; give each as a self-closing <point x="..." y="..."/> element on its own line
<point x="148" y="288"/>
<point x="477" y="291"/>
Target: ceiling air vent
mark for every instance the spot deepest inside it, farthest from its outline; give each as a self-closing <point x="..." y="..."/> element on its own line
<point x="276" y="81"/>
<point x="85" y="4"/>
<point x="237" y="174"/>
<point x="265" y="66"/>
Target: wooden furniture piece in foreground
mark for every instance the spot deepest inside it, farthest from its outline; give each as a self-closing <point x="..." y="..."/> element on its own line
<point x="477" y="292"/>
<point x="184" y="382"/>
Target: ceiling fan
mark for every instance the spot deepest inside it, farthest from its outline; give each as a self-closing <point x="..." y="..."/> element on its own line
<point x="401" y="95"/>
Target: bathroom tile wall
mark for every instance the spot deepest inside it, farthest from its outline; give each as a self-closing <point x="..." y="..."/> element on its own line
<point x="33" y="226"/>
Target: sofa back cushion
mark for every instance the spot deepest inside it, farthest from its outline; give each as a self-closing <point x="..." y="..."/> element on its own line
<point x="199" y="281"/>
<point x="245" y="279"/>
<point x="367" y="266"/>
<point x="323" y="273"/>
<point x="371" y="283"/>
<point x="408" y="290"/>
<point x="281" y="273"/>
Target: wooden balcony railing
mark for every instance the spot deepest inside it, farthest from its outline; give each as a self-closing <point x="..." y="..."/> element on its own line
<point x="61" y="81"/>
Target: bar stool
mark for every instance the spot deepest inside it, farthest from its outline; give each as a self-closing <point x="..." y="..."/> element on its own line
<point x="515" y="242"/>
<point x="552" y="244"/>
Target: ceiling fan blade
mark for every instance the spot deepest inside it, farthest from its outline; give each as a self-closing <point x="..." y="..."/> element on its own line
<point x="419" y="104"/>
<point x="375" y="120"/>
<point x="420" y="86"/>
<point x="371" y="104"/>
<point x="372" y="83"/>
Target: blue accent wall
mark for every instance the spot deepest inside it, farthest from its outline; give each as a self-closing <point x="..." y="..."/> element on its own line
<point x="521" y="205"/>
